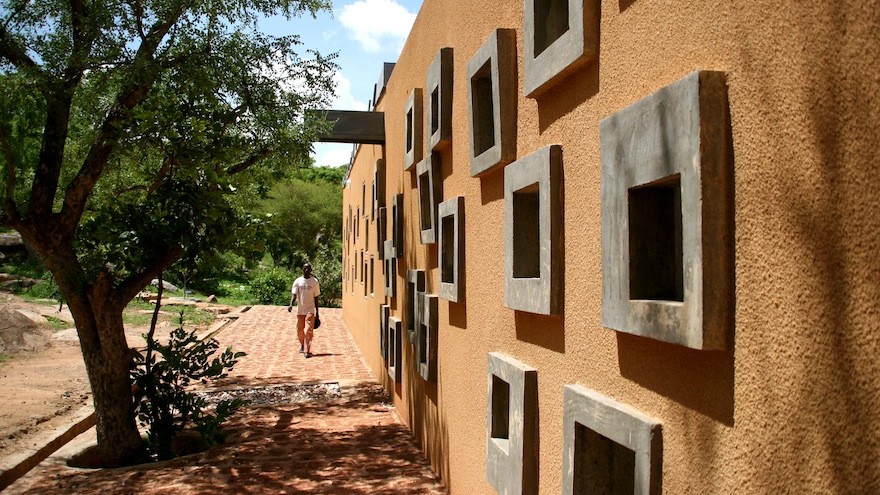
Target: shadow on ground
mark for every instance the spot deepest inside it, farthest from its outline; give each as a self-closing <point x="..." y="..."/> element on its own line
<point x="349" y="445"/>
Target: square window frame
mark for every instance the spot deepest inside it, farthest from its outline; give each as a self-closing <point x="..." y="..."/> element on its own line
<point x="439" y="79"/>
<point x="511" y="465"/>
<point x="390" y="260"/>
<point x="429" y="167"/>
<point x="452" y="291"/>
<point x="384" y="314"/>
<point x="397" y="224"/>
<point x="381" y="230"/>
<point x="414" y="107"/>
<point x="684" y="128"/>
<point x="500" y="50"/>
<point x="429" y="318"/>
<point x="416" y="279"/>
<point x="619" y="423"/>
<point x="395" y="346"/>
<point x="544" y="294"/>
<point x="576" y="47"/>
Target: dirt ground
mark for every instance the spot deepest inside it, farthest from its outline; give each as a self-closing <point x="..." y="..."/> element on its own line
<point x="43" y="382"/>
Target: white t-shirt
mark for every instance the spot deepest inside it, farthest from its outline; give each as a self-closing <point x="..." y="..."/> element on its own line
<point x="306" y="290"/>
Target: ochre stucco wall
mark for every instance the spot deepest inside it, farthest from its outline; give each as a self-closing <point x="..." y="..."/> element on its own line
<point x="794" y="405"/>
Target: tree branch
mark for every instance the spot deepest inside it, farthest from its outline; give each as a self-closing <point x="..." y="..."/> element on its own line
<point x="12" y="51"/>
<point x="135" y="283"/>
<point x="250" y="161"/>
<point x="145" y="72"/>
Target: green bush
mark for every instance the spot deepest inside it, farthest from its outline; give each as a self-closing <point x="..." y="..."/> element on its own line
<point x="163" y="402"/>
<point x="272" y="286"/>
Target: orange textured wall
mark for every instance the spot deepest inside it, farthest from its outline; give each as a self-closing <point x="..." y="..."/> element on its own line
<point x="794" y="405"/>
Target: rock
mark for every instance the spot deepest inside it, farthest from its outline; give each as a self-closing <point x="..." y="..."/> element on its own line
<point x="165" y="285"/>
<point x="212" y="298"/>
<point x="19" y="333"/>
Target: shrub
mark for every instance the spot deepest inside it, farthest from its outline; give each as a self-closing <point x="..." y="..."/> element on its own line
<point x="163" y="402"/>
<point x="272" y="286"/>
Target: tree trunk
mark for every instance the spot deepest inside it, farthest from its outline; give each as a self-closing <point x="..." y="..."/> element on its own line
<point x="107" y="361"/>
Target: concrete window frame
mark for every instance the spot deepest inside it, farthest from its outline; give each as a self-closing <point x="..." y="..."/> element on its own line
<point x="492" y="103"/>
<point x="384" y="314"/>
<point x="390" y="260"/>
<point x="381" y="230"/>
<point x="678" y="140"/>
<point x="511" y="425"/>
<point x="413" y="139"/>
<point x="618" y="423"/>
<point x="393" y="341"/>
<point x="430" y="192"/>
<point x="573" y="46"/>
<point x="438" y="101"/>
<point x="533" y="232"/>
<point x="426" y="337"/>
<point x="450" y="227"/>
<point x="415" y="285"/>
<point x="378" y="188"/>
<point x="397" y="224"/>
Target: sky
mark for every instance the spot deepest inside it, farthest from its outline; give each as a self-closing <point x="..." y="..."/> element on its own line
<point x="364" y="33"/>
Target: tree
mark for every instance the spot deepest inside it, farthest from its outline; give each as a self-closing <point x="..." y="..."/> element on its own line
<point x="131" y="130"/>
<point x="302" y="218"/>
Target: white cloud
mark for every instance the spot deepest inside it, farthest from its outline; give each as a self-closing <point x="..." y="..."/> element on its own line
<point x="377" y="23"/>
<point x="332" y="154"/>
<point x="345" y="100"/>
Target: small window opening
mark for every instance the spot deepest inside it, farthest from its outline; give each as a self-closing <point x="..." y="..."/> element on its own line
<point x="601" y="465"/>
<point x="483" y="111"/>
<point x="551" y="22"/>
<point x="655" y="241"/>
<point x="500" y="408"/>
<point x="526" y="233"/>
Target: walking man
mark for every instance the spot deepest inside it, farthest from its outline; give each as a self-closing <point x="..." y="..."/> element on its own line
<point x="305" y="292"/>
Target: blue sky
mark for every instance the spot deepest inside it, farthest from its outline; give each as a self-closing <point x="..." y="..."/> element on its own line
<point x="365" y="33"/>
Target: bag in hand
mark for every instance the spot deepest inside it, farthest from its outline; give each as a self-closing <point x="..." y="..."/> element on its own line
<point x="316" y="323"/>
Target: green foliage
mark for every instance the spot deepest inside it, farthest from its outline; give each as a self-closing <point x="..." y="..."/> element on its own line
<point x="328" y="268"/>
<point x="163" y="402"/>
<point x="272" y="286"/>
<point x="301" y="219"/>
<point x="45" y="288"/>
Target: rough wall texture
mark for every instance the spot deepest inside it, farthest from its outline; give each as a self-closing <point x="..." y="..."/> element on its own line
<point x="793" y="405"/>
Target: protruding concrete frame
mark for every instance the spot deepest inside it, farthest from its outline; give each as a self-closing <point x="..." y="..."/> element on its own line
<point x="438" y="101"/>
<point x="415" y="285"/>
<point x="619" y="423"/>
<point x="511" y="463"/>
<point x="542" y="294"/>
<point x="426" y="337"/>
<point x="680" y="133"/>
<point x="384" y="314"/>
<point x="574" y="48"/>
<point x="413" y="139"/>
<point x="451" y="249"/>
<point x="397" y="224"/>
<point x="381" y="230"/>
<point x="390" y="260"/>
<point x="499" y="54"/>
<point x="428" y="173"/>
<point x="394" y="348"/>
<point x="378" y="188"/>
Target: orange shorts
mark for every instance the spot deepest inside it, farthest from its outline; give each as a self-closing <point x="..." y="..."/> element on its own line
<point x="304" y="325"/>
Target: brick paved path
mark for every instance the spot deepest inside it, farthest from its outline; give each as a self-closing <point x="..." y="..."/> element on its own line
<point x="356" y="444"/>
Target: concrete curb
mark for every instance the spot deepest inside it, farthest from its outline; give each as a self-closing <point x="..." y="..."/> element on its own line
<point x="19" y="464"/>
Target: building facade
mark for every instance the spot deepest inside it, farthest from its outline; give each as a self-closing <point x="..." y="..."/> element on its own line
<point x="627" y="246"/>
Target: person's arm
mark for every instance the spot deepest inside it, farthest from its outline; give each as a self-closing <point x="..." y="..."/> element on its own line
<point x="292" y="296"/>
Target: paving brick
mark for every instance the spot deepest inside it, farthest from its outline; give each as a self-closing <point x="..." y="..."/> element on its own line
<point x="354" y="444"/>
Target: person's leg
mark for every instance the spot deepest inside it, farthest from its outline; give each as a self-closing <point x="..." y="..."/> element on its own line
<point x="309" y="332"/>
<point x="300" y="331"/>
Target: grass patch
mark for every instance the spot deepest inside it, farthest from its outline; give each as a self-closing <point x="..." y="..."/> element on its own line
<point x="4" y="357"/>
<point x="58" y="324"/>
